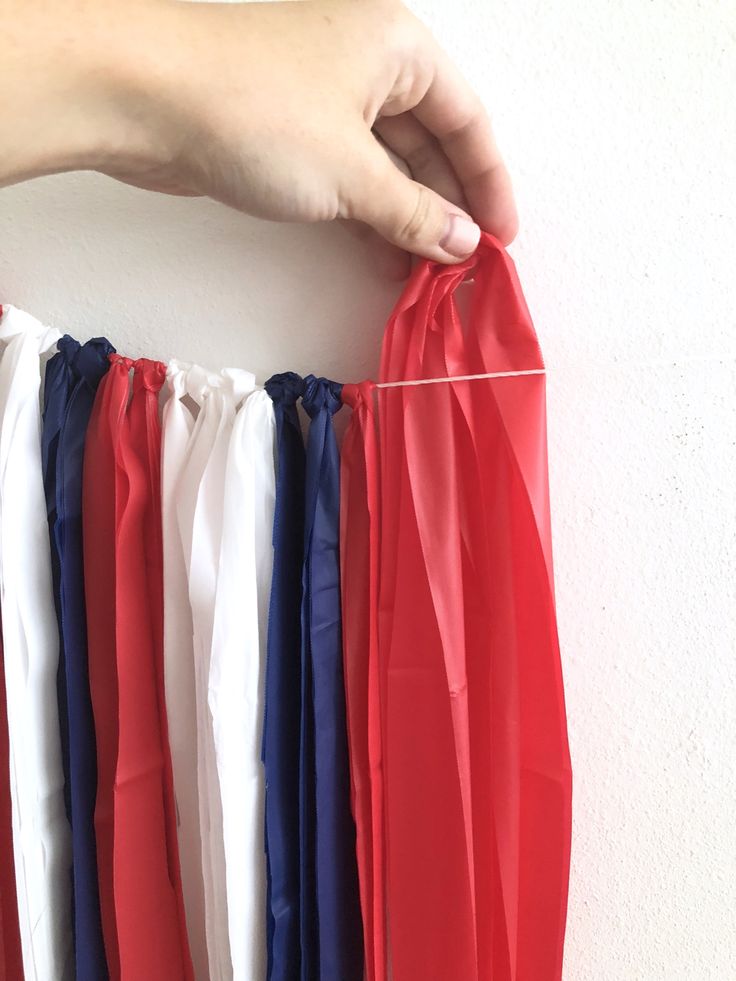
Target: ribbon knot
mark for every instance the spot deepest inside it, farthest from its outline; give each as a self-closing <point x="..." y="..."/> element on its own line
<point x="149" y="375"/>
<point x="358" y="396"/>
<point x="90" y="360"/>
<point x="321" y="393"/>
<point x="68" y="348"/>
<point x="119" y="359"/>
<point x="285" y="388"/>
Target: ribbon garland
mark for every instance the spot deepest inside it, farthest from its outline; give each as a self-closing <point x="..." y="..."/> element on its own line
<point x="301" y="708"/>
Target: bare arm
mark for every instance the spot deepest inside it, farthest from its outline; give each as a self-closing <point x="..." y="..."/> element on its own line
<point x="271" y="108"/>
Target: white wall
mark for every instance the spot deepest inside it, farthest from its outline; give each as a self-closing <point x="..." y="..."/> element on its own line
<point x="618" y="121"/>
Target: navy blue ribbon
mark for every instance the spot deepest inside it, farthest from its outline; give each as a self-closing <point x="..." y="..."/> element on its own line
<point x="332" y="939"/>
<point x="282" y="712"/>
<point x="72" y="377"/>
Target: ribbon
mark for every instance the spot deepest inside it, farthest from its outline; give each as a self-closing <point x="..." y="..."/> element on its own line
<point x="199" y="497"/>
<point x="470" y="669"/>
<point x="11" y="956"/>
<point x="282" y="702"/>
<point x="72" y="377"/>
<point x="140" y="889"/>
<point x="178" y="423"/>
<point x="331" y="926"/>
<point x="359" y="553"/>
<point x="41" y="838"/>
<point x="236" y="674"/>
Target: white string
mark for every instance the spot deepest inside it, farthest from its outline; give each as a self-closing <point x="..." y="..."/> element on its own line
<point x="662" y="363"/>
<point x="462" y="378"/>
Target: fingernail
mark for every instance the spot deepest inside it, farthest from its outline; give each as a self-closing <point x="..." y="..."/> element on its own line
<point x="461" y="236"/>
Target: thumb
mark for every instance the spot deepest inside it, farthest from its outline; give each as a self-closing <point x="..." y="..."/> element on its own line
<point x="405" y="212"/>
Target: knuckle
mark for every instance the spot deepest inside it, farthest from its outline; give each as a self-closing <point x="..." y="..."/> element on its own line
<point x="414" y="229"/>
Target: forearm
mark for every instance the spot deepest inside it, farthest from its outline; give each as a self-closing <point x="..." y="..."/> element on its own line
<point x="68" y="80"/>
<point x="271" y="108"/>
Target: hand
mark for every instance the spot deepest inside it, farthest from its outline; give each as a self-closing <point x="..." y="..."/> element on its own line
<point x="281" y="110"/>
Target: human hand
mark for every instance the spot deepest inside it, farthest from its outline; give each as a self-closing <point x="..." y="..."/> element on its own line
<point x="280" y="110"/>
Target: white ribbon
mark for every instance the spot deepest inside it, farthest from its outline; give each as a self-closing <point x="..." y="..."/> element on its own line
<point x="237" y="673"/>
<point x="199" y="496"/>
<point x="41" y="835"/>
<point x="178" y="423"/>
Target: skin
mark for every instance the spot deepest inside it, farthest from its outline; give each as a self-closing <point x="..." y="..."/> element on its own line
<point x="284" y="111"/>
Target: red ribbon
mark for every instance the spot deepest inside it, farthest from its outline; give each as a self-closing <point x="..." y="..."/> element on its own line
<point x="475" y="769"/>
<point x="140" y="886"/>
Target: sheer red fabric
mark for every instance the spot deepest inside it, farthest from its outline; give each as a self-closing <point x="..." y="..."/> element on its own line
<point x="140" y="887"/>
<point x="359" y="525"/>
<point x="475" y="764"/>
<point x="11" y="957"/>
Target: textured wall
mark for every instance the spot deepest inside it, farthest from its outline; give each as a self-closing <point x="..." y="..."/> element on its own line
<point x="619" y="123"/>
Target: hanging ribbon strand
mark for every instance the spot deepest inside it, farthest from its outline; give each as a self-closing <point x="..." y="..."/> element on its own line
<point x="178" y="423"/>
<point x="478" y="854"/>
<point x="236" y="674"/>
<point x="41" y="837"/>
<point x="140" y="890"/>
<point x="359" y="553"/>
<point x="72" y="377"/>
<point x="282" y="710"/>
<point x="331" y="925"/>
<point x="199" y="496"/>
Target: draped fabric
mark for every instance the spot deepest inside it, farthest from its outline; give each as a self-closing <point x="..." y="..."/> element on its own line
<point x="275" y="709"/>
<point x="282" y="710"/>
<point x="11" y="956"/>
<point x="199" y="496"/>
<point x="72" y="377"/>
<point x="140" y="889"/>
<point x="178" y="423"/>
<point x="236" y="674"/>
<point x="41" y="837"/>
<point x="359" y="540"/>
<point x="331" y="931"/>
<point x="477" y="854"/>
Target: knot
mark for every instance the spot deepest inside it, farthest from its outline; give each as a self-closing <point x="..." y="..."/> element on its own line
<point x="118" y="360"/>
<point x="358" y="396"/>
<point x="149" y="375"/>
<point x="176" y="377"/>
<point x="91" y="359"/>
<point x="321" y="393"/>
<point x="285" y="388"/>
<point x="68" y="348"/>
<point x="238" y="383"/>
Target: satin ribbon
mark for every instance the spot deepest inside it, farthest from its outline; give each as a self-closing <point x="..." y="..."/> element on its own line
<point x="41" y="837"/>
<point x="178" y="423"/>
<point x="282" y="708"/>
<point x="72" y="377"/>
<point x="140" y="889"/>
<point x="330" y="909"/>
<point x="469" y="660"/>
<point x="199" y="496"/>
<point x="236" y="674"/>
<point x="359" y="554"/>
<point x="11" y="955"/>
